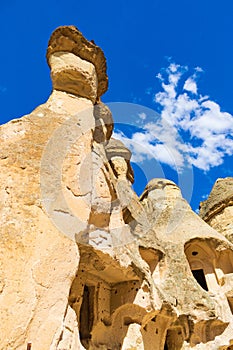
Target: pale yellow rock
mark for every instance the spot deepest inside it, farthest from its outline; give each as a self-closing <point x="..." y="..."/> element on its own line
<point x="104" y="123"/>
<point x="70" y="39"/>
<point x="120" y="156"/>
<point x="217" y="210"/>
<point x="85" y="262"/>
<point x="71" y="74"/>
<point x="36" y="278"/>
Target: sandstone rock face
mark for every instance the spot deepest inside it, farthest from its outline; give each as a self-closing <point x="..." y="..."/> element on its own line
<point x="85" y="262"/>
<point x="69" y="39"/>
<point x="217" y="210"/>
<point x="72" y="74"/>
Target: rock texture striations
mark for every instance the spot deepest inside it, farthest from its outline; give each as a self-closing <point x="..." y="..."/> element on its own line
<point x="85" y="262"/>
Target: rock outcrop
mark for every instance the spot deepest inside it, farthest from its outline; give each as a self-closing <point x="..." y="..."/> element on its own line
<point x="77" y="65"/>
<point x="217" y="210"/>
<point x="85" y="262"/>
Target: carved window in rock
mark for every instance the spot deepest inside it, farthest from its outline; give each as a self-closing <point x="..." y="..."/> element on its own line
<point x="224" y="267"/>
<point x="104" y="309"/>
<point x="200" y="278"/>
<point x="89" y="297"/>
<point x="201" y="258"/>
<point x="86" y="317"/>
<point x="174" y="339"/>
<point x="153" y="258"/>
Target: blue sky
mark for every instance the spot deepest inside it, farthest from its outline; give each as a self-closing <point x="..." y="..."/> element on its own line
<point x="173" y="57"/>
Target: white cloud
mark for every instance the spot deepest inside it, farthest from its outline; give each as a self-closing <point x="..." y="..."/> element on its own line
<point x="207" y="130"/>
<point x="199" y="69"/>
<point x="190" y="85"/>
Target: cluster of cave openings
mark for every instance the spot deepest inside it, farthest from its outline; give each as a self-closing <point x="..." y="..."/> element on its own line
<point x="201" y="258"/>
<point x="108" y="304"/>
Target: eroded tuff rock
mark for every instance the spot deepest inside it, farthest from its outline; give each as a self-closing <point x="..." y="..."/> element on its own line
<point x="77" y="65"/>
<point x="217" y="210"/>
<point x="85" y="262"/>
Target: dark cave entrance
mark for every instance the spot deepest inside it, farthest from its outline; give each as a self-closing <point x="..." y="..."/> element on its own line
<point x="86" y="318"/>
<point x="174" y="339"/>
<point x="200" y="278"/>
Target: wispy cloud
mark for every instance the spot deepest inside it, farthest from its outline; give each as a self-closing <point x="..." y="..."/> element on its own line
<point x="190" y="85"/>
<point x="192" y="128"/>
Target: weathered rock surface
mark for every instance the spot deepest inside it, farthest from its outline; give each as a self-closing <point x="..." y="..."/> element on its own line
<point x="70" y="73"/>
<point x="85" y="262"/>
<point x="217" y="210"/>
<point x="69" y="39"/>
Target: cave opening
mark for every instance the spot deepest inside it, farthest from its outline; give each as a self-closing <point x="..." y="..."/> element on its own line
<point x="174" y="339"/>
<point x="200" y="278"/>
<point x="86" y="318"/>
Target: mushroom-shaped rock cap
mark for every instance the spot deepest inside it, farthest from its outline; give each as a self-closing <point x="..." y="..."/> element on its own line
<point x="70" y="39"/>
<point x="220" y="197"/>
<point x="116" y="148"/>
<point x="160" y="184"/>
